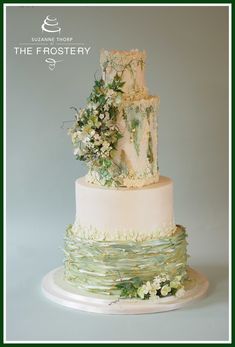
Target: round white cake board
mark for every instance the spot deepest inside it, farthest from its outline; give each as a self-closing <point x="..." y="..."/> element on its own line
<point x="58" y="290"/>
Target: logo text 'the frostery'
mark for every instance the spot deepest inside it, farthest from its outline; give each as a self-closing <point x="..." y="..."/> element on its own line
<point x="52" y="46"/>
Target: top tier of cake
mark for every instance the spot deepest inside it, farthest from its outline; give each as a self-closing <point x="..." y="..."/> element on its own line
<point x="129" y="65"/>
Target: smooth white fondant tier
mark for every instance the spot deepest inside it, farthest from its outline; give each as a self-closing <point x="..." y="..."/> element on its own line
<point x="129" y="65"/>
<point x="135" y="211"/>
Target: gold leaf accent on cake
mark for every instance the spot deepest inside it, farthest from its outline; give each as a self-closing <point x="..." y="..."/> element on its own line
<point x="125" y="162"/>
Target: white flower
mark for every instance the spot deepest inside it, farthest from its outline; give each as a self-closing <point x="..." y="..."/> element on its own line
<point x="89" y="106"/>
<point x="141" y="292"/>
<point x="90" y="145"/>
<point x="165" y="290"/>
<point x="92" y="106"/>
<point x="106" y="107"/>
<point x="97" y="136"/>
<point x="105" y="146"/>
<point x="164" y="277"/>
<point x="86" y="139"/>
<point x="180" y="292"/>
<point x="147" y="287"/>
<point x="118" y="99"/>
<point x="157" y="281"/>
<point x="110" y="93"/>
<point x="76" y="151"/>
<point x="101" y="116"/>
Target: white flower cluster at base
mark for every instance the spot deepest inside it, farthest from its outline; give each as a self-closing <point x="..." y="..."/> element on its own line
<point x="158" y="286"/>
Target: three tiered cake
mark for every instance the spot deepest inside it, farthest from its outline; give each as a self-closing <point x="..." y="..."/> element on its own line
<point x="124" y="245"/>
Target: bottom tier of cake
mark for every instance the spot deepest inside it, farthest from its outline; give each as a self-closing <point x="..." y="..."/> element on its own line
<point x="144" y="269"/>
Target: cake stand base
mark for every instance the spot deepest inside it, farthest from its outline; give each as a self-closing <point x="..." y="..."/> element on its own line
<point x="58" y="290"/>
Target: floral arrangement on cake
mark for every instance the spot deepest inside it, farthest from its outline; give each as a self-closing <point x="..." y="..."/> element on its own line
<point x="95" y="134"/>
<point x="161" y="286"/>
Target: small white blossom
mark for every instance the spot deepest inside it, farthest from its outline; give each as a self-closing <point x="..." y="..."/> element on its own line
<point x="86" y="139"/>
<point x="110" y="93"/>
<point x="141" y="292"/>
<point x="105" y="146"/>
<point x="97" y="136"/>
<point x="76" y="151"/>
<point x="118" y="99"/>
<point x="90" y="144"/>
<point x="109" y="101"/>
<point x="95" y="106"/>
<point x="165" y="277"/>
<point x="157" y="280"/>
<point x="147" y="287"/>
<point x="101" y="116"/>
<point x="165" y="290"/>
<point x="180" y="292"/>
<point x="157" y="285"/>
<point x="92" y="106"/>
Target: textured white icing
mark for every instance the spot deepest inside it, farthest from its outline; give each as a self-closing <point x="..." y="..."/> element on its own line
<point x="90" y="233"/>
<point x="111" y="212"/>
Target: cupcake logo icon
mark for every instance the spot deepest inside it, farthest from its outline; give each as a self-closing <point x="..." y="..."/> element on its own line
<point x="51" y="25"/>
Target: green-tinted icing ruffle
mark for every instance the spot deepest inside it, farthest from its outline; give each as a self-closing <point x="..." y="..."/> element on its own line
<point x="98" y="266"/>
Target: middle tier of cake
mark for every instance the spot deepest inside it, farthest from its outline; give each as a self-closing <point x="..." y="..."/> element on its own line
<point x="135" y="159"/>
<point x="124" y="213"/>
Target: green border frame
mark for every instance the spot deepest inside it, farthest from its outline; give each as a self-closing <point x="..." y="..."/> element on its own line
<point x="131" y="2"/>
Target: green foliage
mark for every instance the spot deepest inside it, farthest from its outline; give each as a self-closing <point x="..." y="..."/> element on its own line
<point x="149" y="110"/>
<point x="95" y="134"/>
<point x="129" y="288"/>
<point x="150" y="150"/>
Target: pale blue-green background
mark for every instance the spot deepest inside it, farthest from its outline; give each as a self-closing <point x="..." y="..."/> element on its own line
<point x="187" y="66"/>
